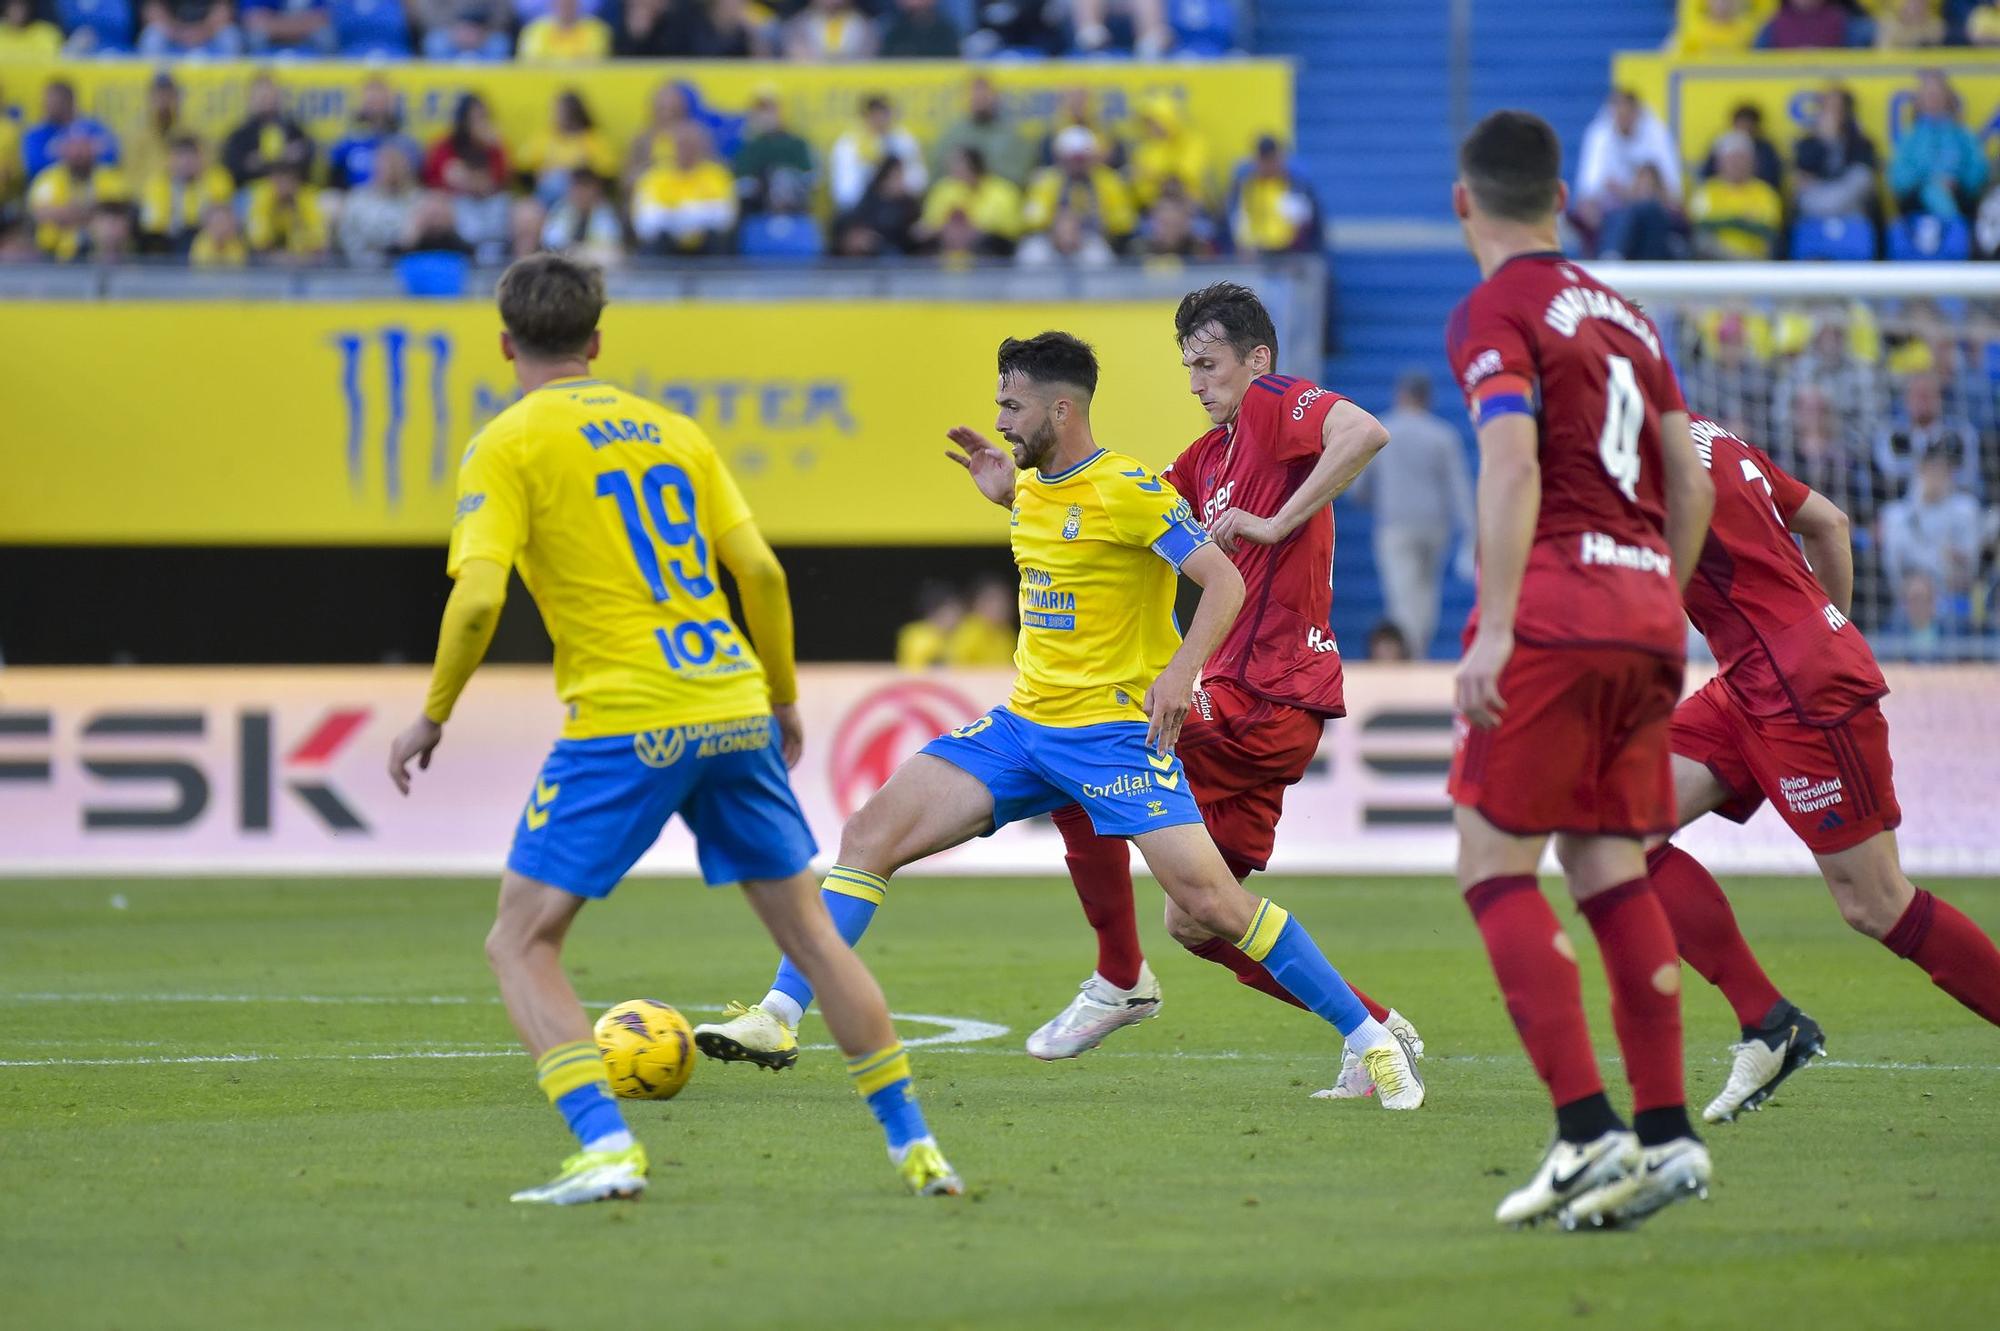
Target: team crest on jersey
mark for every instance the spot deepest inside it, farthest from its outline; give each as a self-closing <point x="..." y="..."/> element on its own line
<point x="1074" y="523"/>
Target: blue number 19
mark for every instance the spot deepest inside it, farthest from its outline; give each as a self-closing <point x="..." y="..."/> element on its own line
<point x="677" y="534"/>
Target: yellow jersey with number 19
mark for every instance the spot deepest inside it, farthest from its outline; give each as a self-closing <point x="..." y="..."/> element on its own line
<point x="1099" y="547"/>
<point x="610" y="506"/>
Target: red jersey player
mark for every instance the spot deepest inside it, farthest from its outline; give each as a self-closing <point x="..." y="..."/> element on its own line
<point x="1793" y="716"/>
<point x="1262" y="481"/>
<point x="1591" y="501"/>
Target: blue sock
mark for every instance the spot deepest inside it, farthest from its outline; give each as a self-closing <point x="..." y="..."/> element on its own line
<point x="883" y="1079"/>
<point x="572" y="1076"/>
<point x="851" y="897"/>
<point x="1295" y="961"/>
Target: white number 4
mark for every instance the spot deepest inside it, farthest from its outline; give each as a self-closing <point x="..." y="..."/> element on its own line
<point x="1624" y="413"/>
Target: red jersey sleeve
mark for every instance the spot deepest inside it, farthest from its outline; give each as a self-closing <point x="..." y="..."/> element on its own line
<point x="1180" y="473"/>
<point x="1667" y="394"/>
<point x="1492" y="358"/>
<point x="1788" y="493"/>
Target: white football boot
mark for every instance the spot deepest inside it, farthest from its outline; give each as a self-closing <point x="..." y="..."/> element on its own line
<point x="1354" y="1083"/>
<point x="1667" y="1173"/>
<point x="1567" y="1172"/>
<point x="749" y="1035"/>
<point x="1098" y="1009"/>
<point x="1761" y="1063"/>
<point x="1392" y="1068"/>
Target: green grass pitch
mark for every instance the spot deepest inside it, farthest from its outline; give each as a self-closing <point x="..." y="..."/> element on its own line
<point x="349" y="1164"/>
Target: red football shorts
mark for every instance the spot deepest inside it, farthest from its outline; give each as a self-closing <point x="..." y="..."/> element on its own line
<point x="1580" y="748"/>
<point x="1240" y="752"/>
<point x="1831" y="784"/>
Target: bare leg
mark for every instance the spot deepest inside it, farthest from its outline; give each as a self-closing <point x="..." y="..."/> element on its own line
<point x="524" y="948"/>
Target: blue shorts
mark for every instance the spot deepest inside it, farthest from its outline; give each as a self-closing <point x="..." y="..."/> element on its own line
<point x="599" y="804"/>
<point x="1031" y="769"/>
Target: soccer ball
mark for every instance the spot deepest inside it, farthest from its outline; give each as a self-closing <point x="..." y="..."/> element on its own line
<point x="648" y="1049"/>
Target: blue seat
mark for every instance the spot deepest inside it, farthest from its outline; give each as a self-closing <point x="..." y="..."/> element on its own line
<point x="435" y="274"/>
<point x="780" y="236"/>
<point x="109" y="21"/>
<point x="1927" y="238"/>
<point x="371" y="28"/>
<point x="1843" y="238"/>
<point x="1203" y="27"/>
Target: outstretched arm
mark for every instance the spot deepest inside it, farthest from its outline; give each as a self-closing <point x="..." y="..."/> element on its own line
<point x="1829" y="548"/>
<point x="1350" y="437"/>
<point x="1509" y="496"/>
<point x="1167" y="701"/>
<point x="767" y="614"/>
<point x="470" y="616"/>
<point x="1690" y="494"/>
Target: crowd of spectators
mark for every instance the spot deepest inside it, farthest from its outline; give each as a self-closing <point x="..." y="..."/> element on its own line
<point x="1076" y="190"/>
<point x="963" y="627"/>
<point x="1836" y="194"/>
<point x="1726" y="27"/>
<point x="583" y="31"/>
<point x="1890" y="411"/>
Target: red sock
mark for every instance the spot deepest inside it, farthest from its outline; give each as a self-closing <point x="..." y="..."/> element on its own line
<point x="1645" y="974"/>
<point x="1228" y="956"/>
<point x="1954" y="952"/>
<point x="1705" y="931"/>
<point x="1536" y="966"/>
<point x="1101" y="868"/>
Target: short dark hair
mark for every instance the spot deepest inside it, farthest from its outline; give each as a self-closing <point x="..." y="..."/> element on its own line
<point x="1235" y="309"/>
<point x="1050" y="358"/>
<point x="550" y="304"/>
<point x="1512" y="163"/>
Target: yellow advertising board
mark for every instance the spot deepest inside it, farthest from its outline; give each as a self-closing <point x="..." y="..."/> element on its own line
<point x="1697" y="96"/>
<point x="1230" y="101"/>
<point x="336" y="423"/>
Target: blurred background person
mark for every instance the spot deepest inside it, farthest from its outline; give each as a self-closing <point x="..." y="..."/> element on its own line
<point x="585" y="221"/>
<point x="1420" y="489"/>
<point x="924" y="643"/>
<point x="859" y="152"/>
<point x="687" y="206"/>
<point x="985" y="636"/>
<point x="375" y="218"/>
<point x="173" y="202"/>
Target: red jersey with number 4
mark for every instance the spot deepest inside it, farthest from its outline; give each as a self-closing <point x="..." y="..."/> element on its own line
<point x="1542" y="336"/>
<point x="1782" y="647"/>
<point x="1280" y="647"/>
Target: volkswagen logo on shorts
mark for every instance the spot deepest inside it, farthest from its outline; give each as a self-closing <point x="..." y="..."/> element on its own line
<point x="659" y="748"/>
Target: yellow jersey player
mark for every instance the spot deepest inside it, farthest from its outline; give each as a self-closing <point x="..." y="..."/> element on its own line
<point x="1104" y="685"/>
<point x="616" y="511"/>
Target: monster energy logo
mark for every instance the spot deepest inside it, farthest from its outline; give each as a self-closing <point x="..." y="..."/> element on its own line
<point x="395" y="346"/>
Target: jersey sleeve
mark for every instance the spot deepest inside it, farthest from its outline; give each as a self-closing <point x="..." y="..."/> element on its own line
<point x="1493" y="360"/>
<point x="1181" y="473"/>
<point x="1667" y="395"/>
<point x="492" y="517"/>
<point x="727" y="509"/>
<point x="1298" y="422"/>
<point x="1788" y="494"/>
<point x="1145" y="511"/>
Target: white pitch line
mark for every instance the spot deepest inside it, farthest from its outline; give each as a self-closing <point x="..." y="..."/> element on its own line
<point x="1194" y="1056"/>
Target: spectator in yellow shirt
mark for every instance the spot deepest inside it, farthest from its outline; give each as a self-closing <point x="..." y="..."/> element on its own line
<point x="991" y="204"/>
<point x="173" y="202"/>
<point x="566" y="36"/>
<point x="282" y="217"/>
<point x="986" y="635"/>
<point x="220" y="243"/>
<point x="924" y="642"/>
<point x="572" y="142"/>
<point x="1081" y="182"/>
<point x="1982" y="25"/>
<point x="25" y="37"/>
<point x="62" y="198"/>
<point x="687" y="206"/>
<point x="1735" y="215"/>
<point x="1273" y="209"/>
<point x="1717" y="27"/>
<point x="1167" y="150"/>
<point x="1906" y="25"/>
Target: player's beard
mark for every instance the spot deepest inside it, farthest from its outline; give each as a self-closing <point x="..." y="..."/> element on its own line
<point x="1033" y="452"/>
